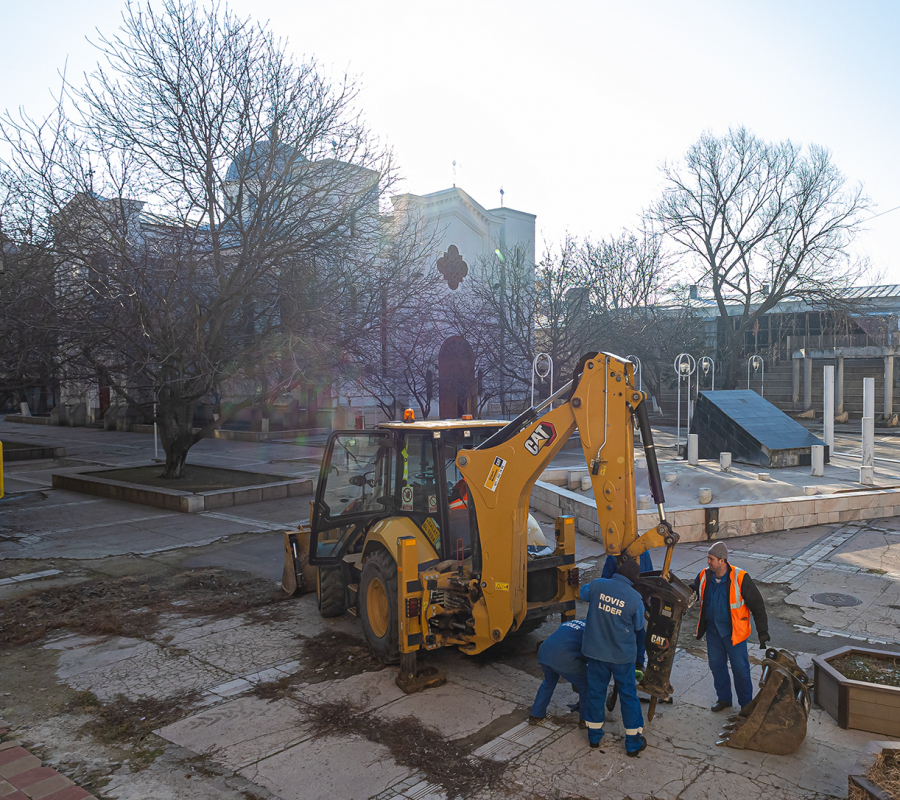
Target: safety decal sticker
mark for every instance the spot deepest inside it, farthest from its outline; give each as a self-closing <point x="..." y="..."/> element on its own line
<point x="540" y="437"/>
<point x="501" y="587"/>
<point x="430" y="529"/>
<point x="407" y="497"/>
<point x="496" y="471"/>
<point x="432" y="503"/>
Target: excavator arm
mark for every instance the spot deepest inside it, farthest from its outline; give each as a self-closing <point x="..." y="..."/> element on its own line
<point x="602" y="404"/>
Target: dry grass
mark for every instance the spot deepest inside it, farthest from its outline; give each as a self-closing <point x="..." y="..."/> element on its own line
<point x="123" y="720"/>
<point x="885" y="772"/>
<point x="132" y="606"/>
<point x="411" y="744"/>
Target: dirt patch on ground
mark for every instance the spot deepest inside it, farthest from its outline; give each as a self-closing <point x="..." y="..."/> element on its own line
<point x="196" y="478"/>
<point x="123" y="720"/>
<point x="332" y="655"/>
<point x="774" y="595"/>
<point x="132" y="606"/>
<point x="411" y="744"/>
<point x="871" y="669"/>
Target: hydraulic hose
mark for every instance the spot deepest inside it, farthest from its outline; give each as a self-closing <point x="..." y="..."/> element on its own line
<point x="656" y="487"/>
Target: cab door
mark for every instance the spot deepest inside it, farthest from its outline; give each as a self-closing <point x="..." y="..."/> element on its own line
<point x="357" y="484"/>
<point x="421" y="494"/>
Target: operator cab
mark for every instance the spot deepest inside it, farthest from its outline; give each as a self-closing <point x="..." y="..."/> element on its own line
<point x="399" y="469"/>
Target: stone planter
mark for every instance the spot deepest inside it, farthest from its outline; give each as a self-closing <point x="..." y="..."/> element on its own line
<point x="857" y="704"/>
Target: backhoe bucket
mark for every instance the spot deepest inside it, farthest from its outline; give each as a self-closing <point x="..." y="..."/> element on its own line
<point x="775" y="720"/>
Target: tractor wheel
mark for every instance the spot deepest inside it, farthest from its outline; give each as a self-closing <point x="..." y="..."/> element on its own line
<point x="529" y="626"/>
<point x="331" y="592"/>
<point x="378" y="606"/>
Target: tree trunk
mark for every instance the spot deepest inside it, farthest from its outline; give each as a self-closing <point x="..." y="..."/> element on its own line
<point x="176" y="432"/>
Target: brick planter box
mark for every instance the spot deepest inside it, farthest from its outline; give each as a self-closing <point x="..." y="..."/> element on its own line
<point x="857" y="704"/>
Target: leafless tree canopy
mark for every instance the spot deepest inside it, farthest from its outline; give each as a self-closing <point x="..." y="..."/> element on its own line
<point x="212" y="209"/>
<point x="753" y="214"/>
<point x="583" y="296"/>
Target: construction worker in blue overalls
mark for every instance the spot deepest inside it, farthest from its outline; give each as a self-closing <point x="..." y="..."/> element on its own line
<point x="560" y="657"/>
<point x="613" y="630"/>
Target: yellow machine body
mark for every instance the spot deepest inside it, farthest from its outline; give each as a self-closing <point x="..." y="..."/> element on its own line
<point x="481" y="595"/>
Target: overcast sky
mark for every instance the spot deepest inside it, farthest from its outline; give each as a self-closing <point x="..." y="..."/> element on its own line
<point x="571" y="107"/>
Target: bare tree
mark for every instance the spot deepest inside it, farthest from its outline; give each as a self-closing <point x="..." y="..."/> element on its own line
<point x="219" y="201"/>
<point x="581" y="296"/>
<point x="28" y="355"/>
<point x="762" y="221"/>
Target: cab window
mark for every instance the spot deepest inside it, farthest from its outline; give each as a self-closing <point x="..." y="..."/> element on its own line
<point x="418" y="487"/>
<point x="358" y="475"/>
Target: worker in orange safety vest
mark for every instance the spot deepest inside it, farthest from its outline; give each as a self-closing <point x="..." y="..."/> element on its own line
<point x="728" y="597"/>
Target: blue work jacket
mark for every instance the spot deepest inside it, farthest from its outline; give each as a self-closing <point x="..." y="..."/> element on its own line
<point x="611" y="565"/>
<point x="615" y="620"/>
<point x="562" y="651"/>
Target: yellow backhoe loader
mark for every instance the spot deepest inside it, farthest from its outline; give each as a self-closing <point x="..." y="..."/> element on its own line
<point x="421" y="528"/>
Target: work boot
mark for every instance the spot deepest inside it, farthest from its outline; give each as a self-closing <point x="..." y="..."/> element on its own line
<point x="720" y="705"/>
<point x="635" y="744"/>
<point x="592" y="736"/>
<point x="533" y="720"/>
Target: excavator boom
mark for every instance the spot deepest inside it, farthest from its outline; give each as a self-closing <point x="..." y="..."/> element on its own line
<point x="602" y="405"/>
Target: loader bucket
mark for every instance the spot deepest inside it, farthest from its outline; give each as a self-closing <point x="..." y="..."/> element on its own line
<point x="775" y="720"/>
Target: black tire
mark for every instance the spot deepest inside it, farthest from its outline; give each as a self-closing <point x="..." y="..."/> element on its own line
<point x="529" y="626"/>
<point x="378" y="606"/>
<point x="331" y="591"/>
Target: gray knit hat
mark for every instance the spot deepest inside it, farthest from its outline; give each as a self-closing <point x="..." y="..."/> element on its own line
<point x="719" y="550"/>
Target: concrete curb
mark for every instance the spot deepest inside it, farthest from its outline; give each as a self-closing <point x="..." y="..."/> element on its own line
<point x="30" y="452"/>
<point x="173" y="499"/>
<point x="734" y="519"/>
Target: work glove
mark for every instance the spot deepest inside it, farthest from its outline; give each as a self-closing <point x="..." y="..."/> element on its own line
<point x="638" y="672"/>
<point x="763" y="641"/>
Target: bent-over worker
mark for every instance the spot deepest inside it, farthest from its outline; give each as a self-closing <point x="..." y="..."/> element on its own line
<point x="728" y="597"/>
<point x="613" y="630"/>
<point x="560" y="657"/>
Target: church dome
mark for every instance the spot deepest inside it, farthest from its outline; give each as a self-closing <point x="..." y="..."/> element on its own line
<point x="260" y="157"/>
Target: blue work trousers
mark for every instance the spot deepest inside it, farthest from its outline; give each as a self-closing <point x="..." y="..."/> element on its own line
<point x="599" y="673"/>
<point x="721" y="652"/>
<point x="545" y="692"/>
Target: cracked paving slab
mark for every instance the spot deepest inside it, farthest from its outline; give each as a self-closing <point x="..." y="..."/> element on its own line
<point x="330" y="767"/>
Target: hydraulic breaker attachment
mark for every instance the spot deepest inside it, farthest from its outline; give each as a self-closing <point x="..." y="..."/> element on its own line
<point x="775" y="720"/>
<point x="665" y="600"/>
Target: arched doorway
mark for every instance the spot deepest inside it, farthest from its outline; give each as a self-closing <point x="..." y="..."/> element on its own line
<point x="458" y="389"/>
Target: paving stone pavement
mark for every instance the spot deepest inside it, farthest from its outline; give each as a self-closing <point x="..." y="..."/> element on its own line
<point x="22" y="776"/>
<point x="267" y="744"/>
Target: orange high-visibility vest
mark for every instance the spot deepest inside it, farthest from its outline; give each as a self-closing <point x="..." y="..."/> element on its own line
<point x="740" y="614"/>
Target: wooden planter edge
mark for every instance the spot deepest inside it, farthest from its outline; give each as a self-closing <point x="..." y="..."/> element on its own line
<point x="844" y="684"/>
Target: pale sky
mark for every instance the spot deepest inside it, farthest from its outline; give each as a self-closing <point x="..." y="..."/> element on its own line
<point x="571" y="107"/>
